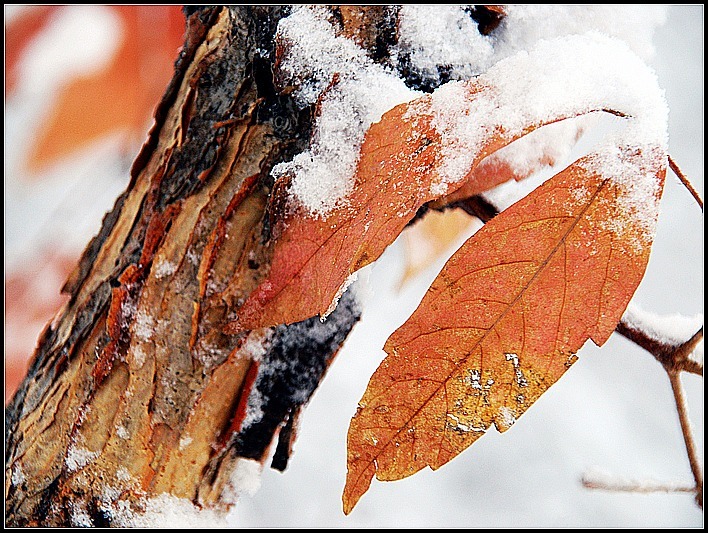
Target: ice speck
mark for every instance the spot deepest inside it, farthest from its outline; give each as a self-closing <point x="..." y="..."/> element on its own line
<point x="184" y="442"/>
<point x="122" y="474"/>
<point x="144" y="326"/>
<point x="122" y="432"/>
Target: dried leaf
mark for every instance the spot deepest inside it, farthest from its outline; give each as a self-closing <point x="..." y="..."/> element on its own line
<point x="504" y="320"/>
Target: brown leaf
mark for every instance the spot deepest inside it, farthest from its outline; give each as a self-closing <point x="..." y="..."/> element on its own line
<point x="503" y="321"/>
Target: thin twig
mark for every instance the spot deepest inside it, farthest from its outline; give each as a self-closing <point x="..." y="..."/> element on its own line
<point x="644" y="488"/>
<point x="680" y="175"/>
<point x="691" y="450"/>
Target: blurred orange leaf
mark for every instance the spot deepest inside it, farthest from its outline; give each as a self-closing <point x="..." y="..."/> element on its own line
<point x="118" y="99"/>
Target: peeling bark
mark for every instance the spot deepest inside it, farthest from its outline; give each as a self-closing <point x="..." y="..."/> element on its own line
<point x="134" y="390"/>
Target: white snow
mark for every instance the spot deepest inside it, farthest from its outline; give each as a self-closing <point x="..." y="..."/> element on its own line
<point x="144" y="326"/>
<point x="122" y="474"/>
<point x="18" y="476"/>
<point x="597" y="477"/>
<point x="122" y="432"/>
<point x="164" y="268"/>
<point x="673" y="329"/>
<point x="507" y="416"/>
<point x="78" y="457"/>
<point x="432" y="35"/>
<point x="245" y="480"/>
<point x="342" y="289"/>
<point x="256" y="345"/>
<point x="446" y="35"/>
<point x="363" y="91"/>
<point x="564" y="75"/>
<point x="166" y="512"/>
<point x="184" y="442"/>
<point x="254" y="409"/>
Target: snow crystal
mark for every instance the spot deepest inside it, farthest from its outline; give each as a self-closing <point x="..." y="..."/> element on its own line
<point x="122" y="432"/>
<point x="672" y="329"/>
<point x="518" y="374"/>
<point x="184" y="442"/>
<point x="256" y="345"/>
<point x="245" y="480"/>
<point x="79" y="516"/>
<point x="122" y="474"/>
<point x="254" y="409"/>
<point x="18" y="476"/>
<point x="508" y="416"/>
<point x="77" y="457"/>
<point x="430" y="36"/>
<point x="314" y="56"/>
<point x="474" y="377"/>
<point x="144" y="326"/>
<point x="164" y="268"/>
<point x="138" y="355"/>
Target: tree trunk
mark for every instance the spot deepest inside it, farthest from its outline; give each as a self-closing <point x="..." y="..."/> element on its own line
<point x="134" y="390"/>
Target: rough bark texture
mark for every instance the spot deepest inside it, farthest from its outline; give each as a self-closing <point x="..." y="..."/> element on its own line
<point x="134" y="389"/>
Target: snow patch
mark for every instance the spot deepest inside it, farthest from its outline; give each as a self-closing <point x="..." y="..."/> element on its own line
<point x="77" y="457"/>
<point x="342" y="289"/>
<point x="245" y="480"/>
<point x="122" y="432"/>
<point x="166" y="511"/>
<point x="164" y="268"/>
<point x="18" y="475"/>
<point x="122" y="474"/>
<point x="352" y="93"/>
<point x="144" y="326"/>
<point x="508" y="416"/>
<point x="671" y="329"/>
<point x="254" y="409"/>
<point x="256" y="345"/>
<point x="184" y="442"/>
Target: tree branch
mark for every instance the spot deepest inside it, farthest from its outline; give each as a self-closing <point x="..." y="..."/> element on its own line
<point x="691" y="449"/>
<point x="686" y="183"/>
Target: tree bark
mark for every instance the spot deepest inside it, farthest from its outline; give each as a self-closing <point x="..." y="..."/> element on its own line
<point x="134" y="390"/>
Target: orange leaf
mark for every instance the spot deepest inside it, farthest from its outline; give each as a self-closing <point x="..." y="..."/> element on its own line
<point x="396" y="174"/>
<point x="504" y="320"/>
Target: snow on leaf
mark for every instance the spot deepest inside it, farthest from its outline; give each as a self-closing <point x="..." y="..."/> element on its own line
<point x="431" y="147"/>
<point x="511" y="308"/>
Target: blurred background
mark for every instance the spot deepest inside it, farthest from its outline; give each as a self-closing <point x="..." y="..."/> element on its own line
<point x="80" y="86"/>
